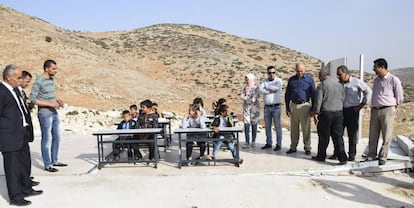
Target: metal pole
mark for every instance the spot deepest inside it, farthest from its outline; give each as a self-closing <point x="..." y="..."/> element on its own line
<point x="361" y="112"/>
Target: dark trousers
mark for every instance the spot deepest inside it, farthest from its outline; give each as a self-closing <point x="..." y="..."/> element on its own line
<point x="189" y="148"/>
<point x="27" y="161"/>
<point x="136" y="146"/>
<point x="331" y="125"/>
<point x="351" y="118"/>
<point x="132" y="148"/>
<point x="16" y="174"/>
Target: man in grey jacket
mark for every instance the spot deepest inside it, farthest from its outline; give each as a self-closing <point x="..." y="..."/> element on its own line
<point x="330" y="96"/>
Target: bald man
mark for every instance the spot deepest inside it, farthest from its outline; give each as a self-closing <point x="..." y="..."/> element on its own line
<point x="299" y="98"/>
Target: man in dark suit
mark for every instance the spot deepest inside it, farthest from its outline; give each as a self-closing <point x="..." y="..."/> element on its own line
<point x="26" y="79"/>
<point x="13" y="138"/>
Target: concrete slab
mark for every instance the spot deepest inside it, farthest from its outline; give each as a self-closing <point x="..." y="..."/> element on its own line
<point x="263" y="180"/>
<point x="406" y="144"/>
<point x="80" y="152"/>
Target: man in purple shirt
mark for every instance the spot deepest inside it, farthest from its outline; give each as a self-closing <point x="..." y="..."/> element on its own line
<point x="387" y="94"/>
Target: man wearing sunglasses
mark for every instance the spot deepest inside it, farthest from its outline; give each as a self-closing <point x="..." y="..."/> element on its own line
<point x="271" y="89"/>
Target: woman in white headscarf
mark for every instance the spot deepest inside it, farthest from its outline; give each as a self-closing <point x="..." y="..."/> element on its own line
<point x="251" y="109"/>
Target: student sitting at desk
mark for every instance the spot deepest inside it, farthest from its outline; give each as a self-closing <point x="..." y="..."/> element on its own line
<point x="148" y="119"/>
<point x="134" y="112"/>
<point x="194" y="120"/>
<point x="126" y="123"/>
<point x="199" y="102"/>
<point x="156" y="110"/>
<point x="220" y="102"/>
<point x="224" y="119"/>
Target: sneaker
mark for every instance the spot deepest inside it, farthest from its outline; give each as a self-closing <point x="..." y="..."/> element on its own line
<point x="246" y="145"/>
<point x="267" y="146"/>
<point x="277" y="148"/>
<point x="207" y="157"/>
<point x="253" y="144"/>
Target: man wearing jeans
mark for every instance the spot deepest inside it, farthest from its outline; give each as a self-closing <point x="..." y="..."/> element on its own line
<point x="271" y="89"/>
<point x="43" y="95"/>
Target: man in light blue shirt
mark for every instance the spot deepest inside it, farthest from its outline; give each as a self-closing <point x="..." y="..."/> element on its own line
<point x="271" y="89"/>
<point x="353" y="102"/>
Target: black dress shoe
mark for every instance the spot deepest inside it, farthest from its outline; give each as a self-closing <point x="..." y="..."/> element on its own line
<point x="342" y="163"/>
<point x="333" y="157"/>
<point x="51" y="169"/>
<point x="35" y="183"/>
<point x="267" y="146"/>
<point x="307" y="152"/>
<point x="290" y="151"/>
<point x="59" y="164"/>
<point x="33" y="193"/>
<point x="277" y="148"/>
<point x="20" y="202"/>
<point x="318" y="159"/>
<point x="381" y="162"/>
<point x="351" y="158"/>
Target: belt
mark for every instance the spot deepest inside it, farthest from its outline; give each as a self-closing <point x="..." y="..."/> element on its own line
<point x="300" y="102"/>
<point x="382" y="107"/>
<point x="273" y="105"/>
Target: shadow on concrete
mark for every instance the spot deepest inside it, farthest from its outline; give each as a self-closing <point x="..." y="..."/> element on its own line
<point x="406" y="186"/>
<point x="37" y="160"/>
<point x="357" y="193"/>
<point x="91" y="158"/>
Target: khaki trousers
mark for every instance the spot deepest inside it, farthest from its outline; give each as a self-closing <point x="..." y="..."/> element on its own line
<point x="382" y="121"/>
<point x="299" y="114"/>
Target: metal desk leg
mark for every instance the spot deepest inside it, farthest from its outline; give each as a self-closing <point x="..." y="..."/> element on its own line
<point x="237" y="151"/>
<point x="164" y="129"/>
<point x="179" y="151"/>
<point x="169" y="133"/>
<point x="98" y="139"/>
<point x="156" y="152"/>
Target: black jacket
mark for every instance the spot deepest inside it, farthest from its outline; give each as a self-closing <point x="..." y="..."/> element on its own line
<point x="131" y="125"/>
<point x="11" y="128"/>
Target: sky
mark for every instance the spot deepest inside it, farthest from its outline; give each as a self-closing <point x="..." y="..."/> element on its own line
<point x="324" y="29"/>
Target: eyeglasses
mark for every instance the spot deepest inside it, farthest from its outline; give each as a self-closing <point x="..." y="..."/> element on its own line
<point x="271" y="72"/>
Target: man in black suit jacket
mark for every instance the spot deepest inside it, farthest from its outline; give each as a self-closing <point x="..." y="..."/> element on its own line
<point x="13" y="136"/>
<point x="26" y="79"/>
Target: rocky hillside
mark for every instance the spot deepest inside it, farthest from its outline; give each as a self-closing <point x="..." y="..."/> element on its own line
<point x="168" y="63"/>
<point x="406" y="76"/>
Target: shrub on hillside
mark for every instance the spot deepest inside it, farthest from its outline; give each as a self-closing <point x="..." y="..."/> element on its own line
<point x="48" y="39"/>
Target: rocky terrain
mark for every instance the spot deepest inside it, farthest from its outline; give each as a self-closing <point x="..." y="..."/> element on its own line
<point x="167" y="63"/>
